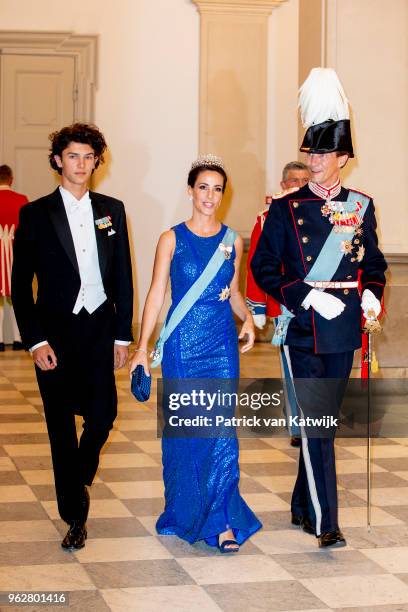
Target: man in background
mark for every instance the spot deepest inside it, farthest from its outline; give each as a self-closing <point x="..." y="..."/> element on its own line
<point x="295" y="175"/>
<point x="10" y="204"/>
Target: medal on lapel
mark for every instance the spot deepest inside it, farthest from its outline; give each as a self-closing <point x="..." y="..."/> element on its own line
<point x="343" y="220"/>
<point x="103" y="222"/>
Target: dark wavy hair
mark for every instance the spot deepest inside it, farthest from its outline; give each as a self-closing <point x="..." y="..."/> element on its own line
<point x="194" y="172"/>
<point x="84" y="133"/>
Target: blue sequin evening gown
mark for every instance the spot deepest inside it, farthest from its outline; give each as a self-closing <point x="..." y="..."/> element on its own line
<point x="201" y="475"/>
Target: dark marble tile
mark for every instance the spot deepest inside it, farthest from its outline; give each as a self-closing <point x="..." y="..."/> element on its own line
<point x="269" y="469"/>
<point x="145" y="507"/>
<point x="125" y="574"/>
<point x="119" y="447"/>
<point x="20" y="418"/>
<point x="140" y="435"/>
<point x="393" y="465"/>
<point x="400" y="512"/>
<point x="11" y="477"/>
<point x="124" y="527"/>
<point x="248" y="485"/>
<point x="24" y="438"/>
<point x="22" y="511"/>
<point x="252" y="443"/>
<point x="36" y="553"/>
<point x="33" y="463"/>
<point x="130" y="474"/>
<point x="285" y="595"/>
<point x="323" y="564"/>
<point x="44" y="492"/>
<point x="275" y="521"/>
<point x="378" y="537"/>
<point x="378" y="480"/>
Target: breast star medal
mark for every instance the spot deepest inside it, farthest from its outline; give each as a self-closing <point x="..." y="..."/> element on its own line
<point x="224" y="295"/>
<point x="227" y="250"/>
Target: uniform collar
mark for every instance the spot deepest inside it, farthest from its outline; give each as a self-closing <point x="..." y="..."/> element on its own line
<point x="324" y="192"/>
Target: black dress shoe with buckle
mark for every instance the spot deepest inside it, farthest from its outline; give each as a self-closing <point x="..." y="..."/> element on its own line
<point x="75" y="537"/>
<point x="2" y="347"/>
<point x="304" y="522"/>
<point x="18" y="346"/>
<point x="334" y="539"/>
<point x="295" y="441"/>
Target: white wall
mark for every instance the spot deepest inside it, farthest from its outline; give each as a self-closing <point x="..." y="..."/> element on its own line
<point x="283" y="65"/>
<point x="146" y="102"/>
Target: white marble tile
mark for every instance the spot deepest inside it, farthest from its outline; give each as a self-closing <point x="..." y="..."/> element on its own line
<point x="28" y="450"/>
<point x="277" y="484"/>
<point x="119" y="460"/>
<point x="355" y="591"/>
<point x="385" y="496"/>
<point x="229" y="569"/>
<point x="16" y="493"/>
<point x="357" y="517"/>
<point x="137" y="489"/>
<point x="168" y="598"/>
<point x="18" y="409"/>
<point x="268" y="455"/>
<point x="122" y="549"/>
<point x="28" y="531"/>
<point x="263" y="502"/>
<point x="100" y="508"/>
<point x="56" y="577"/>
<point x="22" y="428"/>
<point x="38" y="477"/>
<point x="6" y="464"/>
<point x="393" y="560"/>
<point x="287" y="541"/>
<point x="382" y="451"/>
<point x="355" y="466"/>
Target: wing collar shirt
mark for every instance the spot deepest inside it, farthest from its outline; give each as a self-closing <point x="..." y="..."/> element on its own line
<point x="81" y="223"/>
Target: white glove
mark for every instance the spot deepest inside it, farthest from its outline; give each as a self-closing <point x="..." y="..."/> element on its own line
<point x="259" y="320"/>
<point x="327" y="305"/>
<point x="370" y="302"/>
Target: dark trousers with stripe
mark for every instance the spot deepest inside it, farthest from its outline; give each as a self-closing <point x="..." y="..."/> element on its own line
<point x="82" y="384"/>
<point x="315" y="492"/>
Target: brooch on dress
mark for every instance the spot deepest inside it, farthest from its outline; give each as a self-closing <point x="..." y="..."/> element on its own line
<point x="103" y="222"/>
<point x="225" y="294"/>
<point x="227" y="250"/>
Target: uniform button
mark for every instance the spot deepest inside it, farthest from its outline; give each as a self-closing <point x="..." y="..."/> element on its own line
<point x="295" y="204"/>
<point x="309" y="258"/>
<point x="83" y="250"/>
<point x="346" y="292"/>
<point x="81" y="225"/>
<point x="305" y="239"/>
<point x="300" y="221"/>
<point x="349" y="276"/>
<point x="356" y="241"/>
<point x="353" y="259"/>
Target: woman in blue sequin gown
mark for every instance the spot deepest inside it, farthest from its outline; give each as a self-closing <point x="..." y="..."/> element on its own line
<point x="201" y="475"/>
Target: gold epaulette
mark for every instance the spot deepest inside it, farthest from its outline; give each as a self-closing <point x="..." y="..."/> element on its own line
<point x="285" y="192"/>
<point x="360" y="191"/>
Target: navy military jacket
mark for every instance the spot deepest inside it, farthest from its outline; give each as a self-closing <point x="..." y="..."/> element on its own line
<point x="293" y="235"/>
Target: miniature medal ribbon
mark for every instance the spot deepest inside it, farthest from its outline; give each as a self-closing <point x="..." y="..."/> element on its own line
<point x="227" y="250"/>
<point x="103" y="222"/>
<point x="344" y="221"/>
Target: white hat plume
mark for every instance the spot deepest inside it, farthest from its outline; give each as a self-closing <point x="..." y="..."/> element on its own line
<point x="322" y="97"/>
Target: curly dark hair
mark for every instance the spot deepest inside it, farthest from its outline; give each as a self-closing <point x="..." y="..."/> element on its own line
<point x="194" y="172"/>
<point x="85" y="133"/>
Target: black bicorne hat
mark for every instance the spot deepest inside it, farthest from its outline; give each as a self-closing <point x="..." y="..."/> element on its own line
<point x="327" y="137"/>
<point x="325" y="113"/>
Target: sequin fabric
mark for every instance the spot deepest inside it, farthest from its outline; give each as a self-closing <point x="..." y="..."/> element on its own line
<point x="201" y="475"/>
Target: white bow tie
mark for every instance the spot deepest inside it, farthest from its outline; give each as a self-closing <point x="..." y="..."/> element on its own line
<point x="74" y="206"/>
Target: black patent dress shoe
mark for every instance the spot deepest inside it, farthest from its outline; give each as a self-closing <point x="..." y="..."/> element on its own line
<point x="334" y="539"/>
<point x="75" y="536"/>
<point x="295" y="441"/>
<point x="304" y="522"/>
<point x="2" y="347"/>
<point x="18" y="346"/>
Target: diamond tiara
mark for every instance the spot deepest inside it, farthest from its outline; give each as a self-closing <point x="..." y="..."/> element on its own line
<point x="208" y="160"/>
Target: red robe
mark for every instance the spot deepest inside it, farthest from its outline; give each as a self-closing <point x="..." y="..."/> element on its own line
<point x="10" y="204"/>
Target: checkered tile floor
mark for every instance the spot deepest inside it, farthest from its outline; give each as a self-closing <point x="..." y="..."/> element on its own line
<point x="125" y="566"/>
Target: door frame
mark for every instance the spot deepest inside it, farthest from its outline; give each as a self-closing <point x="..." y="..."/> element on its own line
<point x="83" y="48"/>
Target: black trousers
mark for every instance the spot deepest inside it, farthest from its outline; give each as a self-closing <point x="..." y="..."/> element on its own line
<point x="315" y="492"/>
<point x="82" y="383"/>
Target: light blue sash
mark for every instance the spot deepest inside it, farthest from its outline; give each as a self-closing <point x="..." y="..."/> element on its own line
<point x="326" y="264"/>
<point x="192" y="295"/>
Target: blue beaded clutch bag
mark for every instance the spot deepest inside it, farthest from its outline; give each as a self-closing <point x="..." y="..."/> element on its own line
<point x="141" y="384"/>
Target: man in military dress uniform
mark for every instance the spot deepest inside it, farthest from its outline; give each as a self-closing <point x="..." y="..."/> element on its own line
<point x="314" y="243"/>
